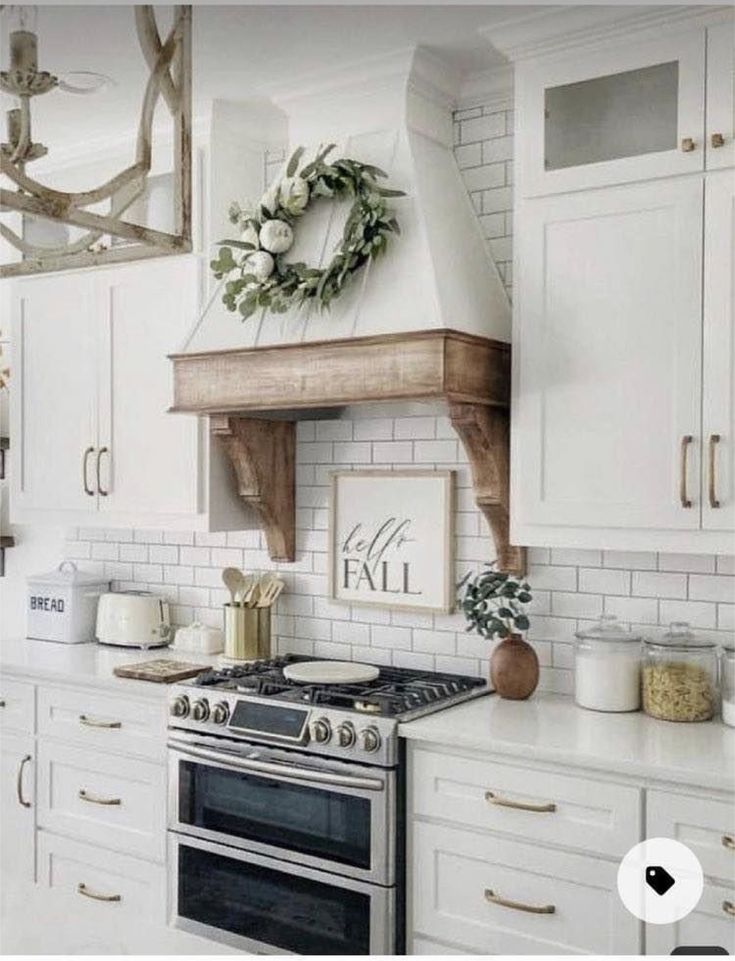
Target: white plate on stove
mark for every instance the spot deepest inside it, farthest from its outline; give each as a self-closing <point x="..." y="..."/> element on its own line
<point x="330" y="672"/>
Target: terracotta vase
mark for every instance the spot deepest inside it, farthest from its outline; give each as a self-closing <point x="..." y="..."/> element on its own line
<point x="514" y="669"/>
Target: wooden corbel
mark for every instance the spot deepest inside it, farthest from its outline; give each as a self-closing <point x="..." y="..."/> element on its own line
<point x="263" y="453"/>
<point x="485" y="435"/>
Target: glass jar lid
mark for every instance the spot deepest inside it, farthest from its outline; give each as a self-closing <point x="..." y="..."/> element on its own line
<point x="681" y="637"/>
<point x="608" y="628"/>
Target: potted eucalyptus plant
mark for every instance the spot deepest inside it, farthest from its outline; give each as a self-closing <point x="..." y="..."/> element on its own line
<point x="494" y="605"/>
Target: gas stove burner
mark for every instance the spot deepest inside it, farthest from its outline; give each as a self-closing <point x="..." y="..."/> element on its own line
<point x="367" y="707"/>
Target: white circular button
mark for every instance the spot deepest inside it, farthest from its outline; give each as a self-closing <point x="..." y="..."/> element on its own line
<point x="660" y="881"/>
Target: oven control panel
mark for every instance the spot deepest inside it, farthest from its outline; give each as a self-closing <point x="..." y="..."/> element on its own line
<point x="344" y="734"/>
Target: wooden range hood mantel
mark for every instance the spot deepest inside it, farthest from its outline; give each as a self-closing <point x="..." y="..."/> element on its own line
<point x="234" y="387"/>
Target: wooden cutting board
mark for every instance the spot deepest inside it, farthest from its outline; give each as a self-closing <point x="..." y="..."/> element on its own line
<point x="160" y="671"/>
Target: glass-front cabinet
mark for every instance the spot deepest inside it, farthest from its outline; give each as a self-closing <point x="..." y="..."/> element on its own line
<point x="613" y="115"/>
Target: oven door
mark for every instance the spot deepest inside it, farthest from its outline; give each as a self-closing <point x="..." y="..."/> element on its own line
<point x="267" y="906"/>
<point x="316" y="812"/>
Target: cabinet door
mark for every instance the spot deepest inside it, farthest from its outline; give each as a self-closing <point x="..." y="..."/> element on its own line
<point x="612" y="115"/>
<point x="17" y="808"/>
<point x="710" y="923"/>
<point x="721" y="96"/>
<point x="53" y="398"/>
<point x="149" y="458"/>
<point x="606" y="353"/>
<point x="718" y="409"/>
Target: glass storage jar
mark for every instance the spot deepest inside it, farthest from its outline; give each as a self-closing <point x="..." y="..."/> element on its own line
<point x="727" y="681"/>
<point x="607" y="667"/>
<point x="680" y="676"/>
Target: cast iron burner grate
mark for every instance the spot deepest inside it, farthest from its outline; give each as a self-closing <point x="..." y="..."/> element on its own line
<point x="394" y="692"/>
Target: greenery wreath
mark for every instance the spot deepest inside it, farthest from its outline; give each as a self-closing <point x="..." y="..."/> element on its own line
<point x="254" y="266"/>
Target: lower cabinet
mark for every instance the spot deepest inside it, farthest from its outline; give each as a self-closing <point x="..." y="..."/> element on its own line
<point x="17" y="807"/>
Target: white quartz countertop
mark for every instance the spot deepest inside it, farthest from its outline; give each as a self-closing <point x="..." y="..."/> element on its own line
<point x="552" y="728"/>
<point x="90" y="664"/>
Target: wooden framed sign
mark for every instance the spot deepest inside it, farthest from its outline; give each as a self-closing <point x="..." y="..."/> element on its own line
<point x="391" y="539"/>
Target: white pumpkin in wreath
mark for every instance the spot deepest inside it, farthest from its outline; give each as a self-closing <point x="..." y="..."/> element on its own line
<point x="260" y="264"/>
<point x="276" y="236"/>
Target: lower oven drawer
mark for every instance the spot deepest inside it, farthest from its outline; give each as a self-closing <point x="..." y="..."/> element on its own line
<point x="268" y="906"/>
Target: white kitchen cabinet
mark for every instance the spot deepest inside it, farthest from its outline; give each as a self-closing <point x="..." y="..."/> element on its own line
<point x="607" y="365"/>
<point x="720" y="139"/>
<point x="17" y="808"/>
<point x="718" y="398"/>
<point x="710" y="923"/>
<point x="93" y="442"/>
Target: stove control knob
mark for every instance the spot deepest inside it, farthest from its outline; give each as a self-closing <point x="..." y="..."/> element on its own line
<point x="370" y="739"/>
<point x="346" y="734"/>
<point x="200" y="709"/>
<point x="321" y="731"/>
<point x="221" y="712"/>
<point x="179" y="706"/>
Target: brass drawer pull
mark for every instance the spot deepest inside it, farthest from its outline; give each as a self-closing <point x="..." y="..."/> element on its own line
<point x="85" y="461"/>
<point x="19" y="782"/>
<point x="91" y="722"/>
<point x="107" y="801"/>
<point x="502" y="802"/>
<point x="717" y="140"/>
<point x="100" y="488"/>
<point x="688" y="144"/>
<point x="83" y="889"/>
<point x="492" y="898"/>
<point x="729" y="908"/>
<point x="683" y="495"/>
<point x="714" y="440"/>
<point x="728" y="841"/>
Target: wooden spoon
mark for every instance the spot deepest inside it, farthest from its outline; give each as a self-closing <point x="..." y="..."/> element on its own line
<point x="270" y="590"/>
<point x="233" y="582"/>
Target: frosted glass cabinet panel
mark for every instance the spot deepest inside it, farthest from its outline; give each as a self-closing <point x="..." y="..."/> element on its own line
<point x="613" y="115"/>
<point x="606" y="118"/>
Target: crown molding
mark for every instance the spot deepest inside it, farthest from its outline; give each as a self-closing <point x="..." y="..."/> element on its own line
<point x="490" y="88"/>
<point x="559" y="29"/>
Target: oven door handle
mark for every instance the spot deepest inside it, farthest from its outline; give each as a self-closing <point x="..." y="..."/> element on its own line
<point x="287" y="771"/>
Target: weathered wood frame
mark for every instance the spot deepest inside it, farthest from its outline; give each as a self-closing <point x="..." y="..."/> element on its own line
<point x="169" y="61"/>
<point x="239" y="389"/>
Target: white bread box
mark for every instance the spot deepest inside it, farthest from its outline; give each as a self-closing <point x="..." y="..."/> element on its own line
<point x="62" y="605"/>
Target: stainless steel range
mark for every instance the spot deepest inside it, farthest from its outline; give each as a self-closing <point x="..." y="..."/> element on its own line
<point x="286" y="802"/>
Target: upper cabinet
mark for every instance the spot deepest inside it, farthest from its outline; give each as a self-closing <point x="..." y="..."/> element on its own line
<point x="624" y="113"/>
<point x="93" y="442"/>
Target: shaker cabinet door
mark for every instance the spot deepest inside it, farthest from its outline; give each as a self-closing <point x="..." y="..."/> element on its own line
<point x="148" y="462"/>
<point x="721" y="96"/>
<point x="53" y="396"/>
<point x="718" y="407"/>
<point x="17" y="809"/>
<point x="607" y="360"/>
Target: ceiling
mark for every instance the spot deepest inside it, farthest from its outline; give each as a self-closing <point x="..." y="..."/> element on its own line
<point x="238" y="51"/>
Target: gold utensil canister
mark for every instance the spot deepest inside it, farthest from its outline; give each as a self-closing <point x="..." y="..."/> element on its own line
<point x="247" y="632"/>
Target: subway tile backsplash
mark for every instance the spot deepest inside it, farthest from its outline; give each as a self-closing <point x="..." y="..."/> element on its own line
<point x="570" y="587"/>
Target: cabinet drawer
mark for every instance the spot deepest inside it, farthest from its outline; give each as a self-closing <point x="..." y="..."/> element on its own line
<point x="115" y="886"/>
<point x="708" y="923"/>
<point x="587" y="815"/>
<point x="104" y="722"/>
<point x="115" y="802"/>
<point x="18" y="700"/>
<point x="422" y="946"/>
<point x="454" y="872"/>
<point x="706" y="827"/>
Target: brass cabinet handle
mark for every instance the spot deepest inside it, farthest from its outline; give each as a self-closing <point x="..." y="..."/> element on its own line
<point x="100" y="488"/>
<point x="92" y="799"/>
<point x="688" y="144"/>
<point x="83" y="889"/>
<point x="493" y="898"/>
<point x="729" y="908"/>
<point x="728" y="841"/>
<point x="683" y="496"/>
<point x="714" y="440"/>
<point x="717" y="140"/>
<point x="502" y="802"/>
<point x="91" y="722"/>
<point x="19" y="781"/>
<point x="85" y="461"/>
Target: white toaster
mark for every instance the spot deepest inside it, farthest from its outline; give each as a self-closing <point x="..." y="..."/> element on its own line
<point x="133" y="619"/>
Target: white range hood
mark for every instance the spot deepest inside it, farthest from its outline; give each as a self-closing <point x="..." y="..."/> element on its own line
<point x="395" y="113"/>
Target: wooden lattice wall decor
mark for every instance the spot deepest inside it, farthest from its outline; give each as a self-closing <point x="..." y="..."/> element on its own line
<point x="169" y="63"/>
